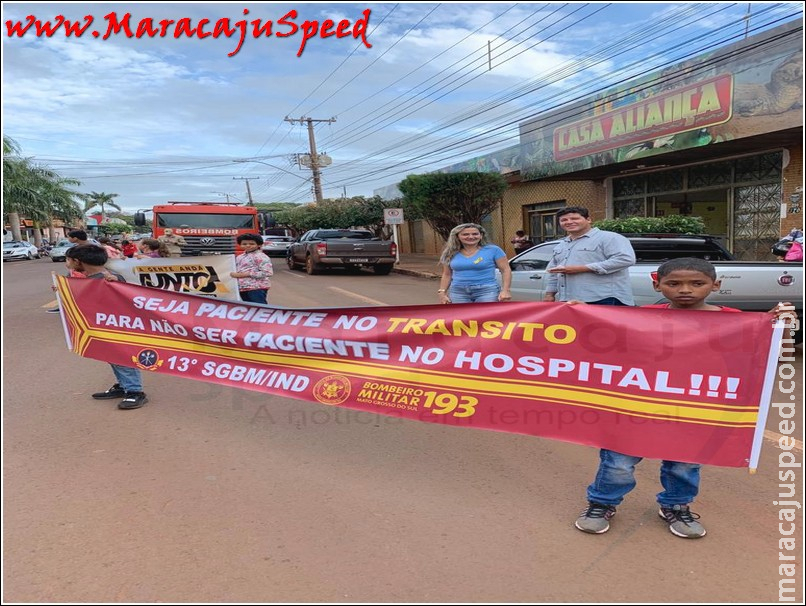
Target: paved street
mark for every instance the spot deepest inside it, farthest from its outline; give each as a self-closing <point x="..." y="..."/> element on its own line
<point x="212" y="494"/>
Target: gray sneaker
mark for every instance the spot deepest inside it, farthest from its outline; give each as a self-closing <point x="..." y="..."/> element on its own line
<point x="682" y="521"/>
<point x="596" y="518"/>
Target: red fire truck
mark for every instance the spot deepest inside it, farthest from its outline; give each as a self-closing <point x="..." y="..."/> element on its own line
<point x="207" y="227"/>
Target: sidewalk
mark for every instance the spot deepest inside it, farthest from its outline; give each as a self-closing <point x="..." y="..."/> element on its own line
<point x="414" y="264"/>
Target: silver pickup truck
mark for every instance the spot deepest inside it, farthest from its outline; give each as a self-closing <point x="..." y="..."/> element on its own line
<point x="746" y="285"/>
<point x="352" y="249"/>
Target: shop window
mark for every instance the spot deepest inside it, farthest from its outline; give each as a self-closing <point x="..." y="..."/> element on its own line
<point x="629" y="208"/>
<point x="628" y="186"/>
<point x="666" y="181"/>
<point x="764" y="167"/>
<point x="710" y="175"/>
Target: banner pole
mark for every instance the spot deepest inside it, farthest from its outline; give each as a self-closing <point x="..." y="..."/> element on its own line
<point x="61" y="311"/>
<point x="766" y="394"/>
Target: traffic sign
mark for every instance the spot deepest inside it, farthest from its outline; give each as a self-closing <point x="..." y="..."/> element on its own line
<point x="393" y="216"/>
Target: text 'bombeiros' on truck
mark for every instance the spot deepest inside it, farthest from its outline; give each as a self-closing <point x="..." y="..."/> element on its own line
<point x="207" y="227"/>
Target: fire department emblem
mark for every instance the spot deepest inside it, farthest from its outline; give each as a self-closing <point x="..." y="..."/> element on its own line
<point x="332" y="390"/>
<point x="147" y="359"/>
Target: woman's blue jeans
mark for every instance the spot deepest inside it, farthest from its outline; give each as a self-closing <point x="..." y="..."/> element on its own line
<point x="473" y="293"/>
<point x="616" y="477"/>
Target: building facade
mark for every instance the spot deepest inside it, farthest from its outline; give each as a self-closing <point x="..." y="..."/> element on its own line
<point x="719" y="136"/>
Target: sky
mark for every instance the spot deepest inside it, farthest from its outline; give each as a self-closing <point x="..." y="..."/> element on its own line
<point x="407" y="88"/>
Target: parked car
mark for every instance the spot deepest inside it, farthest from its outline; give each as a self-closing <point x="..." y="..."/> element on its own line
<point x="19" y="250"/>
<point x="746" y="285"/>
<point x="58" y="250"/>
<point x="278" y="231"/>
<point x="276" y="246"/>
<point x="320" y="249"/>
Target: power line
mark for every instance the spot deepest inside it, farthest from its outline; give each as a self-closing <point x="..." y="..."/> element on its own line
<point x="567" y="102"/>
<point x="437" y="56"/>
<point x="398" y="144"/>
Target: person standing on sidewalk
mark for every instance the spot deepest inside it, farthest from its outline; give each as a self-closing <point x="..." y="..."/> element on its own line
<point x="521" y="242"/>
<point x="589" y="265"/>
<point x="468" y="263"/>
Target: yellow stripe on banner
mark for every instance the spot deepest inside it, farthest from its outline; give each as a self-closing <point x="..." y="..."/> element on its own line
<point x="81" y="338"/>
<point x="242" y="353"/>
<point x="647" y="407"/>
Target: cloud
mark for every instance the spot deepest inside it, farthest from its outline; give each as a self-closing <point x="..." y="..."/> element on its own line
<point x="92" y="108"/>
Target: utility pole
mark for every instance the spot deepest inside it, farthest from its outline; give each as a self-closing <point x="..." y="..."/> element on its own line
<point x="317" y="181"/>
<point x="248" y="191"/>
<point x="747" y="20"/>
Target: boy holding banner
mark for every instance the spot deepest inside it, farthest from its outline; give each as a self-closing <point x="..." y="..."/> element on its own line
<point x="686" y="283"/>
<point x="89" y="261"/>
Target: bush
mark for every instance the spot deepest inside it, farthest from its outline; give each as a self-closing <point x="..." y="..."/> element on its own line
<point x="672" y="224"/>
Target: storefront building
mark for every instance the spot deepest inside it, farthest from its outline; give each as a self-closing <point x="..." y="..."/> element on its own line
<point x="719" y="136"/>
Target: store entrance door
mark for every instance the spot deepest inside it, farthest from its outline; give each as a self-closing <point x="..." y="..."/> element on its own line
<point x="542" y="226"/>
<point x="712" y="205"/>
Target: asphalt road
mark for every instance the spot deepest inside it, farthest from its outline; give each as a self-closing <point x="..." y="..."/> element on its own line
<point x="211" y="494"/>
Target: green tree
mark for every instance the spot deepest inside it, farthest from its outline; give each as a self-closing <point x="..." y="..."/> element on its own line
<point x="445" y="200"/>
<point x="339" y="213"/>
<point x="102" y="200"/>
<point x="300" y="219"/>
<point x="34" y="191"/>
<point x="111" y="229"/>
<point x="368" y="212"/>
<point x="61" y="203"/>
<point x="275" y="206"/>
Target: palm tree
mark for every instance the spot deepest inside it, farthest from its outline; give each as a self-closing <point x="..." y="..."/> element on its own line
<point x="102" y="199"/>
<point x="32" y="190"/>
<point x="61" y="204"/>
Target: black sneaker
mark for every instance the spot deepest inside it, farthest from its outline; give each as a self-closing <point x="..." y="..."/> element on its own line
<point x="682" y="521"/>
<point x="52" y="310"/>
<point x="135" y="399"/>
<point x="596" y="518"/>
<point x="116" y="391"/>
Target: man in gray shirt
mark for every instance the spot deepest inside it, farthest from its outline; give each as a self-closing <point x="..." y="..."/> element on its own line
<point x="589" y="265"/>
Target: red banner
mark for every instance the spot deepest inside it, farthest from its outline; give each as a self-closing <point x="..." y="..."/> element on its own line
<point x="665" y="384"/>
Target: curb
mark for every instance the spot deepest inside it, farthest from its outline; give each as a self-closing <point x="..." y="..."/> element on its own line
<point x="414" y="272"/>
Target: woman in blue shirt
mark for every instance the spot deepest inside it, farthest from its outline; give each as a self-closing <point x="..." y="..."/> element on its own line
<point x="468" y="268"/>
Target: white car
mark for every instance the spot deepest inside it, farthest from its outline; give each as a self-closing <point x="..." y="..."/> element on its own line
<point x="276" y="246"/>
<point x="19" y="250"/>
<point x="57" y="253"/>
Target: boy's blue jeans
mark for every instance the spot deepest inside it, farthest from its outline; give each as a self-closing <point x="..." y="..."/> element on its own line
<point x="130" y="379"/>
<point x="254" y="296"/>
<point x="473" y="293"/>
<point x="616" y="477"/>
